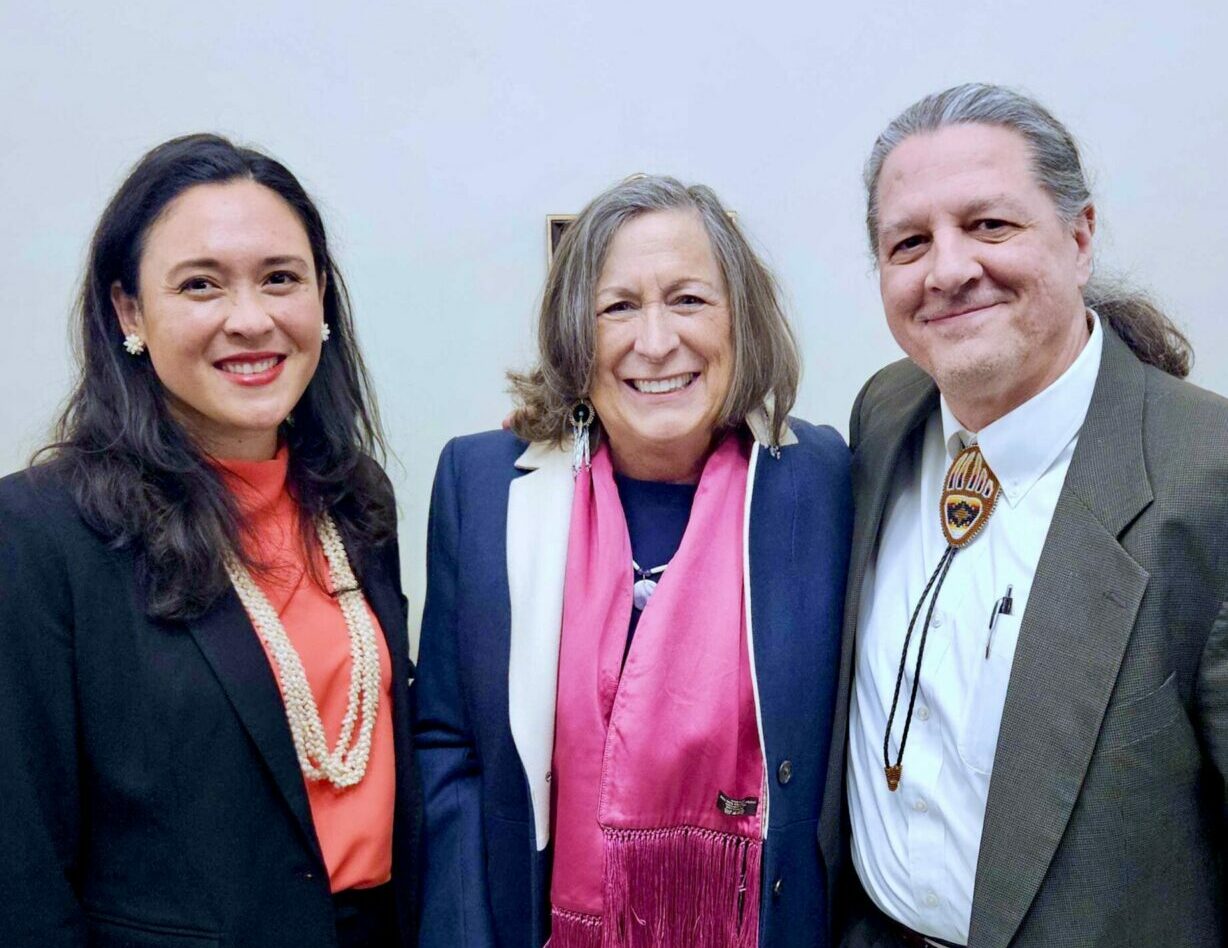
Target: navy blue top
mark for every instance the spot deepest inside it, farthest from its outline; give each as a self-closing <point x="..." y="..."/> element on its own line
<point x="657" y="513"/>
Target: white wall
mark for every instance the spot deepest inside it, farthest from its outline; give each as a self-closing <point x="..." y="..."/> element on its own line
<point x="437" y="136"/>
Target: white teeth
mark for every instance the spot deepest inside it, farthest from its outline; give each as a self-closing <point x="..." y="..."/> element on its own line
<point x="248" y="368"/>
<point x="658" y="386"/>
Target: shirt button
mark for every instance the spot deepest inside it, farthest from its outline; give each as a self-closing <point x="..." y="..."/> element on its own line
<point x="923" y="713"/>
<point x="784" y="773"/>
<point x="937" y="622"/>
<point x="931" y="900"/>
<point x="776" y="887"/>
<point x="920" y="806"/>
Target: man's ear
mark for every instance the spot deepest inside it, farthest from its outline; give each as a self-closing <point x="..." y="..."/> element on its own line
<point x="127" y="311"/>
<point x="1084" y="231"/>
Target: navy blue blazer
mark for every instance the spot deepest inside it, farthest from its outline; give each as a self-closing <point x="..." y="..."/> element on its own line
<point x="487" y="677"/>
<point x="152" y="793"/>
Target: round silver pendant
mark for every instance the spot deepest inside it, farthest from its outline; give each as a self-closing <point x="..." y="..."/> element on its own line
<point x="642" y="592"/>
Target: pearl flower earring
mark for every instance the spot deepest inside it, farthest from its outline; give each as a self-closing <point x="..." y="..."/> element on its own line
<point x="325" y="332"/>
<point x="134" y="344"/>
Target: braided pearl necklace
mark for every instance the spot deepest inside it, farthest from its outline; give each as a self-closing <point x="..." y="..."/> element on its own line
<point x="343" y="766"/>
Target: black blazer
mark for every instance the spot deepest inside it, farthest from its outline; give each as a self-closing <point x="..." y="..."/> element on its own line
<point x="151" y="794"/>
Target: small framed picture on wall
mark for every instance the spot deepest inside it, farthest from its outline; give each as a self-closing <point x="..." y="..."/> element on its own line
<point x="556" y="226"/>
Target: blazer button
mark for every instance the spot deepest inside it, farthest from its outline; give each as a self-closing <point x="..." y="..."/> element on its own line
<point x="784" y="773"/>
<point x="776" y="887"/>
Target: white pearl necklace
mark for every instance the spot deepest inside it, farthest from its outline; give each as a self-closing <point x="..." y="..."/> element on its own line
<point x="343" y="766"/>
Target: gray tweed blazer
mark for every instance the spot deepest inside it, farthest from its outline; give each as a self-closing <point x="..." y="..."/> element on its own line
<point x="1107" y="819"/>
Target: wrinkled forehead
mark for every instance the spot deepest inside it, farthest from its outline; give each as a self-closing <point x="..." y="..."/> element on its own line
<point x="956" y="170"/>
<point x="660" y="245"/>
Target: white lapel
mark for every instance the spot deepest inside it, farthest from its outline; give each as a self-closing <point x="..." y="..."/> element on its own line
<point x="538" y="522"/>
<point x="761" y="429"/>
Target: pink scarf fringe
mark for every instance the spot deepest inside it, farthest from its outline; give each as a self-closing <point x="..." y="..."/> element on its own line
<point x="573" y="930"/>
<point x="682" y="878"/>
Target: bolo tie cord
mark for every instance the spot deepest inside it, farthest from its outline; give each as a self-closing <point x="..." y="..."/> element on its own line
<point x="939" y="575"/>
<point x="969" y="495"/>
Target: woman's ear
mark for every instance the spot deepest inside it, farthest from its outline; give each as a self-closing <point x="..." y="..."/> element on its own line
<point x="127" y="311"/>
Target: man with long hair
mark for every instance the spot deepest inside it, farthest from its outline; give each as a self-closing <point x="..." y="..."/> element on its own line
<point x="1036" y="649"/>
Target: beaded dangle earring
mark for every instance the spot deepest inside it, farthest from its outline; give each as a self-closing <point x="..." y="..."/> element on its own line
<point x="581" y="419"/>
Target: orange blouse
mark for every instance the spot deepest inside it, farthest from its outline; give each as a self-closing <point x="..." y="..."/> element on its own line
<point x="354" y="825"/>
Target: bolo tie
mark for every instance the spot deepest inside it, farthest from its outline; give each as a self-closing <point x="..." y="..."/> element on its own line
<point x="969" y="494"/>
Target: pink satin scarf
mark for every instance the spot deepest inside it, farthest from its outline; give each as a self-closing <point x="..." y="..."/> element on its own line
<point x="645" y="852"/>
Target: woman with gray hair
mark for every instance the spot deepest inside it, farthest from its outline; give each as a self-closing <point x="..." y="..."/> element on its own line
<point x="631" y="630"/>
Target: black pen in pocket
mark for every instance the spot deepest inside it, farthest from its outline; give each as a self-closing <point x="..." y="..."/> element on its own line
<point x="1003" y="607"/>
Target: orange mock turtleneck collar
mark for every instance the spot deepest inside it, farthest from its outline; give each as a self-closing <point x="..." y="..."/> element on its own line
<point x="258" y="486"/>
<point x="270" y="537"/>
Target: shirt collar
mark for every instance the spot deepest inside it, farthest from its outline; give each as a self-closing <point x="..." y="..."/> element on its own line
<point x="1022" y="444"/>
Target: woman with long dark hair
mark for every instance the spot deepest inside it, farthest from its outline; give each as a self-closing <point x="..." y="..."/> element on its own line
<point x="203" y="654"/>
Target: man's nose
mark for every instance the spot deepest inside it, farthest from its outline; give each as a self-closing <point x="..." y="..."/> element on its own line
<point x="954" y="262"/>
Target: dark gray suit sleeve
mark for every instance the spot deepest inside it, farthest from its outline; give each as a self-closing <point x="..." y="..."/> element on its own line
<point x="40" y="832"/>
<point x="1212" y="701"/>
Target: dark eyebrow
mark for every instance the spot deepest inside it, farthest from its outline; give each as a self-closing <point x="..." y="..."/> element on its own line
<point x="283" y="261"/>
<point x="198" y="263"/>
<point x="210" y="263"/>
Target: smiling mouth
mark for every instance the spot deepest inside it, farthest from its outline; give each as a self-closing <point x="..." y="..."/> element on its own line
<point x="663" y="386"/>
<point x="955" y="314"/>
<point x="253" y="367"/>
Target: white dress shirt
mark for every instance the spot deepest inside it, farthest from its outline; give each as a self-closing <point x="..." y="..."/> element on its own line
<point x="916" y="848"/>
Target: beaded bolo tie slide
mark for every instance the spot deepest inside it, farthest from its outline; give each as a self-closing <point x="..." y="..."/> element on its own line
<point x="969" y="495"/>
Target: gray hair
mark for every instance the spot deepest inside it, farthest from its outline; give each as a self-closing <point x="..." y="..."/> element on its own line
<point x="1059" y="171"/>
<point x="766" y="364"/>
